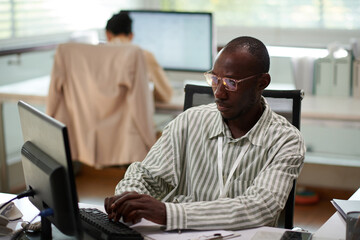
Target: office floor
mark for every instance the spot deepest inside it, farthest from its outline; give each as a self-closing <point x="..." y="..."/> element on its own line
<point x="94" y="185"/>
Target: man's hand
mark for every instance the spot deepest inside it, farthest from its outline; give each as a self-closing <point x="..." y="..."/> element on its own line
<point x="132" y="206"/>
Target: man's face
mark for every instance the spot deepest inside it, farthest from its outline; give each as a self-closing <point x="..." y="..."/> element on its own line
<point x="237" y="64"/>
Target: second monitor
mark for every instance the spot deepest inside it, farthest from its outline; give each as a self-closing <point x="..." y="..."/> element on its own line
<point x="179" y="40"/>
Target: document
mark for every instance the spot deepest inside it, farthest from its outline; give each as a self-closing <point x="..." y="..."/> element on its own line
<point x="152" y="231"/>
<point x="346" y="206"/>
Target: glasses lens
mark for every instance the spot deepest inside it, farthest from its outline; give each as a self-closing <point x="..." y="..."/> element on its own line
<point x="211" y="79"/>
<point x="230" y="84"/>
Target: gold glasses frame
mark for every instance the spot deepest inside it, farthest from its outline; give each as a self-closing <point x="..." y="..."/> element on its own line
<point x="229" y="83"/>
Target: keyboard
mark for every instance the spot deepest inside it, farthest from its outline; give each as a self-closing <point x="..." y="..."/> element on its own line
<point x="97" y="224"/>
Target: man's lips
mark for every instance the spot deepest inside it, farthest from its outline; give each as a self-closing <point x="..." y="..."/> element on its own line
<point x="222" y="106"/>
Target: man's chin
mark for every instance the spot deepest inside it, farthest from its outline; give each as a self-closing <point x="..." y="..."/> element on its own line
<point x="226" y="113"/>
<point x="226" y="116"/>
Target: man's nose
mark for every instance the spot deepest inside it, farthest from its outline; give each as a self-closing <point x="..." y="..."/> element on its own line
<point x="220" y="91"/>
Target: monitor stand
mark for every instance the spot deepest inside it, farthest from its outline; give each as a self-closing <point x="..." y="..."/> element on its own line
<point x="51" y="232"/>
<point x="46" y="231"/>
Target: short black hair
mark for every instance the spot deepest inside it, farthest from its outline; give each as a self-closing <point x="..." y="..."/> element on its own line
<point x="255" y="47"/>
<point x="120" y="23"/>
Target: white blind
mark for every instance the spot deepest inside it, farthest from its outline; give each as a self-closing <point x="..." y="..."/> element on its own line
<point x="35" y="21"/>
<point x="317" y="14"/>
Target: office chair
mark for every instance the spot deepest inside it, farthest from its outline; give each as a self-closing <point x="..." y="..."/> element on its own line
<point x="284" y="102"/>
<point x="101" y="93"/>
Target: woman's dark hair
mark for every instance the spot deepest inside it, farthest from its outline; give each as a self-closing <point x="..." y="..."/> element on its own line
<point x="120" y="23"/>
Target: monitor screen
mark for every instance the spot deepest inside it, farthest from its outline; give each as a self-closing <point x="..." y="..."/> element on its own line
<point x="48" y="169"/>
<point x="179" y="40"/>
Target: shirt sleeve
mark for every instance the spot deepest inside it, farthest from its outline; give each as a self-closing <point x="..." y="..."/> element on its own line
<point x="155" y="174"/>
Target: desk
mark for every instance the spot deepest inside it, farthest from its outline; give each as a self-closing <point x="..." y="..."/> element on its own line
<point x="335" y="227"/>
<point x="146" y="228"/>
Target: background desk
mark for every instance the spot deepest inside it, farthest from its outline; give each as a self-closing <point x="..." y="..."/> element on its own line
<point x="33" y="91"/>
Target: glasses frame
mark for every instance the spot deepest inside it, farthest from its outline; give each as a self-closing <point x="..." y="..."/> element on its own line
<point x="209" y="80"/>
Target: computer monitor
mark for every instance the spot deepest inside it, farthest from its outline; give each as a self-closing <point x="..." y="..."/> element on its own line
<point x="48" y="171"/>
<point x="181" y="41"/>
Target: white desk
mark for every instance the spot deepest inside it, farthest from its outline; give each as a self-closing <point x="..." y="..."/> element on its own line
<point x="146" y="228"/>
<point x="335" y="227"/>
<point x="33" y="91"/>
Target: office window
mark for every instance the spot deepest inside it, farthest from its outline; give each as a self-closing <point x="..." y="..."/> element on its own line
<point x="34" y="21"/>
<point x="323" y="14"/>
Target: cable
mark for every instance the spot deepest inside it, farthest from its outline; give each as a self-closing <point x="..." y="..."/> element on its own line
<point x="29" y="192"/>
<point x="26" y="226"/>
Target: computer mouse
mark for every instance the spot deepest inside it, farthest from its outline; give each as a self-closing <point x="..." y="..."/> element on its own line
<point x="3" y="221"/>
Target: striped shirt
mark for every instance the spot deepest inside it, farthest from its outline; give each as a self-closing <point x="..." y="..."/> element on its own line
<point x="181" y="169"/>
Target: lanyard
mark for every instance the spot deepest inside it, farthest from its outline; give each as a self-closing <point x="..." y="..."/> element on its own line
<point x="225" y="188"/>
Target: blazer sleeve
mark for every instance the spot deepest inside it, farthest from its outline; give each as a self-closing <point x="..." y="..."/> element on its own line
<point x="55" y="94"/>
<point x="143" y="110"/>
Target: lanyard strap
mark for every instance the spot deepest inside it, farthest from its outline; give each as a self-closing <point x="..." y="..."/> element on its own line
<point x="225" y="188"/>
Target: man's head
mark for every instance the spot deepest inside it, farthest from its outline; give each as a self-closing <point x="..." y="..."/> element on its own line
<point x="245" y="59"/>
<point x="119" y="24"/>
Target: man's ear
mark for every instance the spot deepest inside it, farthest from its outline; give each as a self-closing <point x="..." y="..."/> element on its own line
<point x="264" y="81"/>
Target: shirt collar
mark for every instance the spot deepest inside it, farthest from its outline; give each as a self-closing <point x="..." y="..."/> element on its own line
<point x="218" y="124"/>
<point x="256" y="133"/>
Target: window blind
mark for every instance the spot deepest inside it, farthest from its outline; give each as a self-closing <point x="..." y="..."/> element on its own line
<point x="32" y="22"/>
<point x="36" y="21"/>
<point x="317" y="14"/>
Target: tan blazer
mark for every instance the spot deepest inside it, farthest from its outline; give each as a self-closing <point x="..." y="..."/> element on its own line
<point x="101" y="93"/>
<point x="163" y="91"/>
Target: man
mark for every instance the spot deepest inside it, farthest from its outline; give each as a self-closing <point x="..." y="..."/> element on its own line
<point x="228" y="165"/>
<point x="119" y="31"/>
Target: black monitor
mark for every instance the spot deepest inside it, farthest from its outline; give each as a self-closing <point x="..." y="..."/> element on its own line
<point x="48" y="171"/>
<point x="181" y="41"/>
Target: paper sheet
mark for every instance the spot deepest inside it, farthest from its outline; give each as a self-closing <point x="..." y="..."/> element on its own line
<point x="152" y="231"/>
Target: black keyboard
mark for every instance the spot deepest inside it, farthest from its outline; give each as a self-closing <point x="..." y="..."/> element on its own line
<point x="97" y="224"/>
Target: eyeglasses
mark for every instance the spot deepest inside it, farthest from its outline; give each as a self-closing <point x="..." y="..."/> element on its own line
<point x="229" y="83"/>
